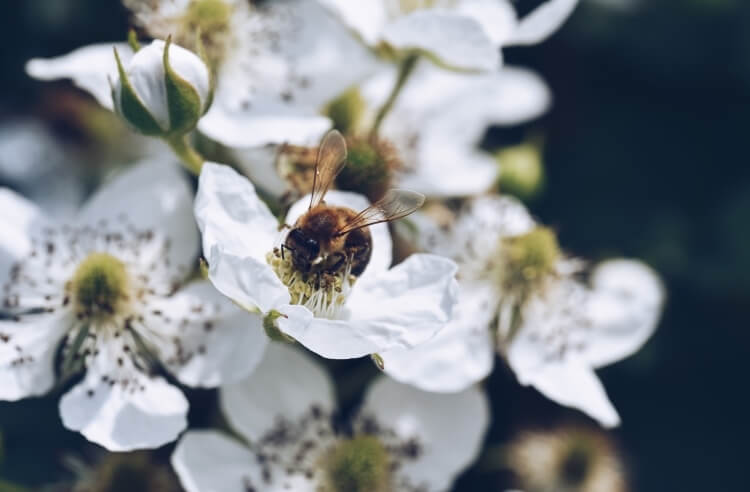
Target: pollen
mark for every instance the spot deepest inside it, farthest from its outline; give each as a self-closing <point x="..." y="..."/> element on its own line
<point x="530" y="257"/>
<point x="359" y="464"/>
<point x="322" y="293"/>
<point x="370" y="167"/>
<point x="99" y="285"/>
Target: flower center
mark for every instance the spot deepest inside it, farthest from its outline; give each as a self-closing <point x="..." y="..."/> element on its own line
<point x="369" y="168"/>
<point x="359" y="464"/>
<point x="529" y="258"/>
<point x="323" y="293"/>
<point x="99" y="285"/>
<point x="212" y="18"/>
<point x="576" y="464"/>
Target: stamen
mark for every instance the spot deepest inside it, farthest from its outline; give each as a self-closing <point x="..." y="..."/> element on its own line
<point x="322" y="293"/>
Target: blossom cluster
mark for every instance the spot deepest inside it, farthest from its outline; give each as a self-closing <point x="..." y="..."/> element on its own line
<point x="341" y="206"/>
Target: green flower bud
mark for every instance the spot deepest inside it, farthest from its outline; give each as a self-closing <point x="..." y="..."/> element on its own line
<point x="369" y="168"/>
<point x="346" y="111"/>
<point x="164" y="90"/>
<point x="521" y="170"/>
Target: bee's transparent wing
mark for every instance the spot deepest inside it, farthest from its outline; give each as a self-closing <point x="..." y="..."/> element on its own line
<point x="330" y="162"/>
<point x="395" y="204"/>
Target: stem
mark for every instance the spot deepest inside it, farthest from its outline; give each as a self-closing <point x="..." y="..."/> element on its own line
<point x="191" y="159"/>
<point x="404" y="71"/>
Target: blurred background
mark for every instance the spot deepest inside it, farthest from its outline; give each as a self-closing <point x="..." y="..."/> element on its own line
<point x="645" y="156"/>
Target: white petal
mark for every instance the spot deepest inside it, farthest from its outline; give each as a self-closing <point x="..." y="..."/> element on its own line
<point x="292" y="75"/>
<point x="238" y="230"/>
<point x="455" y="40"/>
<point x="497" y="17"/>
<point x="208" y="461"/>
<point x="382" y="246"/>
<point x="365" y="17"/>
<point x="19" y="218"/>
<point x="153" y="194"/>
<point x="402" y="307"/>
<point x="234" y="127"/>
<point x="572" y="384"/>
<point x="286" y="384"/>
<point x="230" y="214"/>
<point x="207" y="341"/>
<point x="259" y="164"/>
<point x="542" y="22"/>
<point x="89" y="67"/>
<point x="459" y="355"/>
<point x="624" y="309"/>
<point x="27" y="355"/>
<point x="146" y="75"/>
<point x="147" y="413"/>
<point x="449" y="428"/>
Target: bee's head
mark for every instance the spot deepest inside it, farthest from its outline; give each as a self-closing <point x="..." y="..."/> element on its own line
<point x="304" y="248"/>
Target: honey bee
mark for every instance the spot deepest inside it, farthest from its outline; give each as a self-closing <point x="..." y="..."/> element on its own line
<point x="327" y="238"/>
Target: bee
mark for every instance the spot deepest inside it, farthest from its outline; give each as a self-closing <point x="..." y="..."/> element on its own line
<point x="328" y="239"/>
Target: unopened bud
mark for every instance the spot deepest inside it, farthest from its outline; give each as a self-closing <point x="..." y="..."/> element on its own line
<point x="164" y="91"/>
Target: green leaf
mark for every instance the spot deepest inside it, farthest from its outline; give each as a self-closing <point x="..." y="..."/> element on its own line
<point x="131" y="108"/>
<point x="183" y="101"/>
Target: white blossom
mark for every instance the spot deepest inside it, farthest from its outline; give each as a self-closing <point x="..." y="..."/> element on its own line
<point x="348" y="316"/>
<point x="434" y="129"/>
<point x="409" y="439"/>
<point x="554" y="328"/>
<point x="462" y="34"/>
<point x="112" y="286"/>
<point x="276" y="64"/>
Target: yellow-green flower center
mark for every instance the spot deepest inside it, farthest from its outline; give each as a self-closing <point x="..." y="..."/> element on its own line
<point x="369" y="167"/>
<point x="409" y="6"/>
<point x="530" y="257"/>
<point x="212" y="18"/>
<point x="359" y="464"/>
<point x="99" y="285"/>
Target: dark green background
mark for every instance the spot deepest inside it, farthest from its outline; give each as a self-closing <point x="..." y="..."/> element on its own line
<point x="646" y="156"/>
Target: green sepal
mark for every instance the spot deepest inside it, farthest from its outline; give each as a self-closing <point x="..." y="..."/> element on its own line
<point x="378" y="360"/>
<point x="272" y="328"/>
<point x="130" y="106"/>
<point x="183" y="101"/>
<point x="133" y="41"/>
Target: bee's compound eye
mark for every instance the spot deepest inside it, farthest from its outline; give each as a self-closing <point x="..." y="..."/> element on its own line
<point x="303" y="245"/>
<point x="312" y="247"/>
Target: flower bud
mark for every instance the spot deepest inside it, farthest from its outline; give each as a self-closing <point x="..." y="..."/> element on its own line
<point x="521" y="170"/>
<point x="164" y="90"/>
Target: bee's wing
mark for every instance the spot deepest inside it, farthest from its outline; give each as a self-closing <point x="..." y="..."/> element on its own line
<point x="330" y="162"/>
<point x="395" y="204"/>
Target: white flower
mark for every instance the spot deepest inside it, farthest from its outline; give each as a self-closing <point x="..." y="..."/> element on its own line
<point x="404" y="439"/>
<point x="344" y="316"/>
<point x="554" y="328"/>
<point x="276" y="64"/>
<point x="434" y="130"/>
<point x="463" y="34"/>
<point x="163" y="90"/>
<point x="440" y="118"/>
<point x="111" y="286"/>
